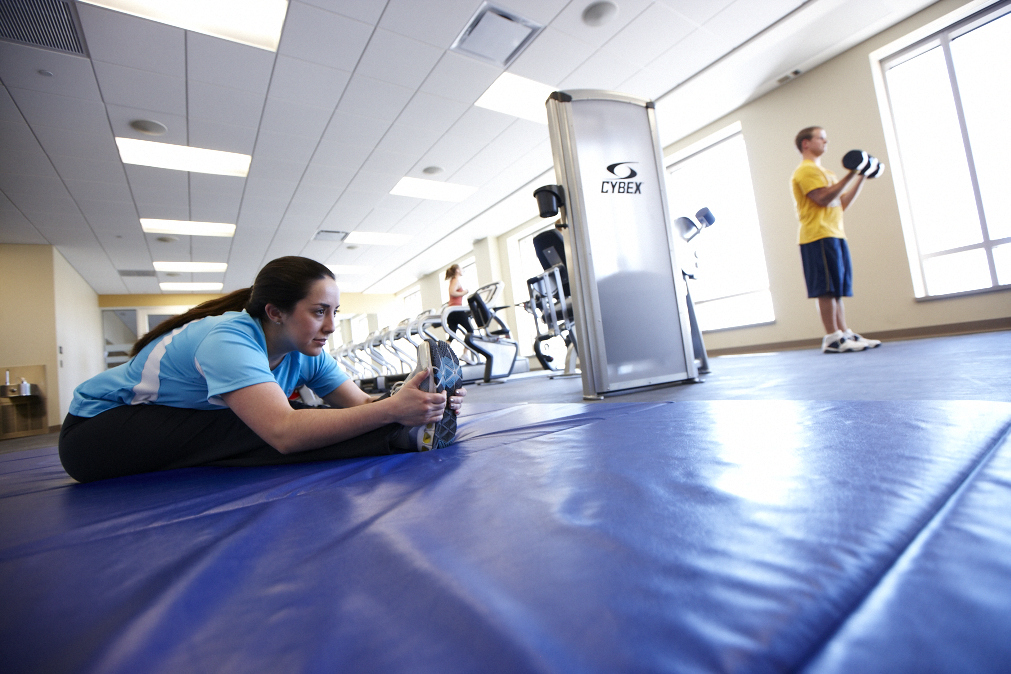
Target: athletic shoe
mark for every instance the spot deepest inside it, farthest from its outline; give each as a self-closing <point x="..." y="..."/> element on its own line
<point x="854" y="337"/>
<point x="837" y="343"/>
<point x="446" y="377"/>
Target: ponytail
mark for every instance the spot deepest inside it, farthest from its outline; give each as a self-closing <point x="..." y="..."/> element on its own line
<point x="283" y="282"/>
<point x="234" y="301"/>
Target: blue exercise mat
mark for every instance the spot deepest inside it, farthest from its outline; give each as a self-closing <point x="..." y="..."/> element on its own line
<point x="606" y="537"/>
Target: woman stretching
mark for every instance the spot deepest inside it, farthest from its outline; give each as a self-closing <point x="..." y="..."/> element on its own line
<point x="211" y="387"/>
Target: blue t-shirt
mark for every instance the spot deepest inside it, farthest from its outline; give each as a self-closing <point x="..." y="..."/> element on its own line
<point x="192" y="366"/>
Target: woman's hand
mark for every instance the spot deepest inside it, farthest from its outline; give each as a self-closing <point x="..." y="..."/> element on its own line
<point x="413" y="407"/>
<point x="456" y="402"/>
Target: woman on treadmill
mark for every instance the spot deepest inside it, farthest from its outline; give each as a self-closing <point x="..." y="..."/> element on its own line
<point x="212" y="387"/>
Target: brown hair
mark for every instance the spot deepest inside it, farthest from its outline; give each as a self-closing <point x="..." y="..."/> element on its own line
<point x="282" y="282"/>
<point x="806" y="133"/>
<point x="453" y="271"/>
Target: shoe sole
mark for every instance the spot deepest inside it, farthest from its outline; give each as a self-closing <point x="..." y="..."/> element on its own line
<point x="446" y="376"/>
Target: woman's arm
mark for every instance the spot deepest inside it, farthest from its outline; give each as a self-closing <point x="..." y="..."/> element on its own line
<point x="265" y="409"/>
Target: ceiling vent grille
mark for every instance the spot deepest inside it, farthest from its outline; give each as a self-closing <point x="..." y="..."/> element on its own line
<point x="43" y="23"/>
<point x="137" y="272"/>
<point x="496" y="35"/>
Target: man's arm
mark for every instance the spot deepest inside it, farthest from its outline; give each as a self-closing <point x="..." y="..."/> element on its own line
<point x="823" y="196"/>
<point x="850" y="195"/>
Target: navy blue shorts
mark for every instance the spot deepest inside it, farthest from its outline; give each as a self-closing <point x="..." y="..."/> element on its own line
<point x="827" y="268"/>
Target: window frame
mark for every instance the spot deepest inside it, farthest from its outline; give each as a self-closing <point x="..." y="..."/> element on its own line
<point x="937" y="34"/>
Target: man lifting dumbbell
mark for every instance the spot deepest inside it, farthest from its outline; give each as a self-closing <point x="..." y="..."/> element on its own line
<point x="820" y="200"/>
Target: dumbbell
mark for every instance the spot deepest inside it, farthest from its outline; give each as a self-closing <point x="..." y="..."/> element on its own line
<point x="863" y="163"/>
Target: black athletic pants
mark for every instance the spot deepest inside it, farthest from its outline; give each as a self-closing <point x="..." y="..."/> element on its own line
<point x="132" y="439"/>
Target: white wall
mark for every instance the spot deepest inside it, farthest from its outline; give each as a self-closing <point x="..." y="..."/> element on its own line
<point x="78" y="332"/>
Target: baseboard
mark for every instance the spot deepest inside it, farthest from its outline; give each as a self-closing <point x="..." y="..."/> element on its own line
<point x="56" y="428"/>
<point x="948" y="329"/>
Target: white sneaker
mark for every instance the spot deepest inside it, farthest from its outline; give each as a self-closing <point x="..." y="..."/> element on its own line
<point x="837" y="343"/>
<point x="868" y="343"/>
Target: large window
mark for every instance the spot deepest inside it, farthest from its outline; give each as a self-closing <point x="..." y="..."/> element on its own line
<point x="731" y="285"/>
<point x="948" y="94"/>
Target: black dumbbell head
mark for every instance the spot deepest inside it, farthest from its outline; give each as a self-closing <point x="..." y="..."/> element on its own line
<point x="878" y="169"/>
<point x="855" y="160"/>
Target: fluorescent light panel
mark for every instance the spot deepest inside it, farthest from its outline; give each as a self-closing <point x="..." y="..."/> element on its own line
<point x="517" y="96"/>
<point x="376" y="239"/>
<point x="182" y="157"/>
<point x="191" y="287"/>
<point x="257" y="23"/>
<point x="191" y="267"/>
<point x="187" y="227"/>
<point x="431" y="189"/>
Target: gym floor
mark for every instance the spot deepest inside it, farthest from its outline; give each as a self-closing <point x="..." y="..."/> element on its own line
<point x="962" y="367"/>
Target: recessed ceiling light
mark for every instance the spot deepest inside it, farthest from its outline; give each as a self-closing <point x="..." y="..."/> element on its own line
<point x="168" y="238"/>
<point x="45" y="73"/>
<point x="377" y="239"/>
<point x="599" y="13"/>
<point x="347" y="269"/>
<point x="431" y="189"/>
<point x="191" y="267"/>
<point x="257" y="23"/>
<point x="186" y="227"/>
<point x="148" y="126"/>
<point x="191" y="287"/>
<point x="182" y="157"/>
<point x="517" y="96"/>
<point x="496" y="35"/>
<point x="432" y="170"/>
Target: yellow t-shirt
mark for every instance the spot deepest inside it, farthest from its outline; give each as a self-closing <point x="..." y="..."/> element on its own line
<point x="816" y="222"/>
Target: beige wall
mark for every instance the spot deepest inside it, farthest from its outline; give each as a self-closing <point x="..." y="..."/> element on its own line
<point x="78" y="333"/>
<point x="840" y="96"/>
<point x="28" y="316"/>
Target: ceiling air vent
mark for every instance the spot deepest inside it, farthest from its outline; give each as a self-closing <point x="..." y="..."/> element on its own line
<point x="44" y="23"/>
<point x="330" y="235"/>
<point x="137" y="272"/>
<point x="496" y="35"/>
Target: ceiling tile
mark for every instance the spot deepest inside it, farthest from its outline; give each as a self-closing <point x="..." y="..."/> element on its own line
<point x="330" y="179"/>
<point x="218" y="136"/>
<point x="273" y="146"/>
<point x="341" y="155"/>
<point x="688" y="57"/>
<point x="604" y="70"/>
<point x="15" y="227"/>
<point x="382" y="161"/>
<point x="307" y="83"/>
<point x="158" y="186"/>
<point x="539" y="11"/>
<point x="315" y="35"/>
<point x="476" y="129"/>
<point x="224" y="105"/>
<point x="397" y="59"/>
<point x="39" y="107"/>
<point x="650" y="34"/>
<point x="110" y="215"/>
<point x="744" y="19"/>
<point x="141" y="89"/>
<point x="294" y="119"/>
<point x="346" y="128"/>
<point x="367" y="11"/>
<point x="90" y="189"/>
<point x="8" y="110"/>
<point x="695" y="11"/>
<point x="368" y="97"/>
<point x="153" y="46"/>
<point x="551" y="57"/>
<point x="424" y="120"/>
<point x="87" y="168"/>
<point x="276" y="169"/>
<point x="36" y="192"/>
<point x="22" y="153"/>
<point x="436" y="22"/>
<point x="72" y="75"/>
<point x="460" y="78"/>
<point x="207" y="248"/>
<point x="227" y="64"/>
